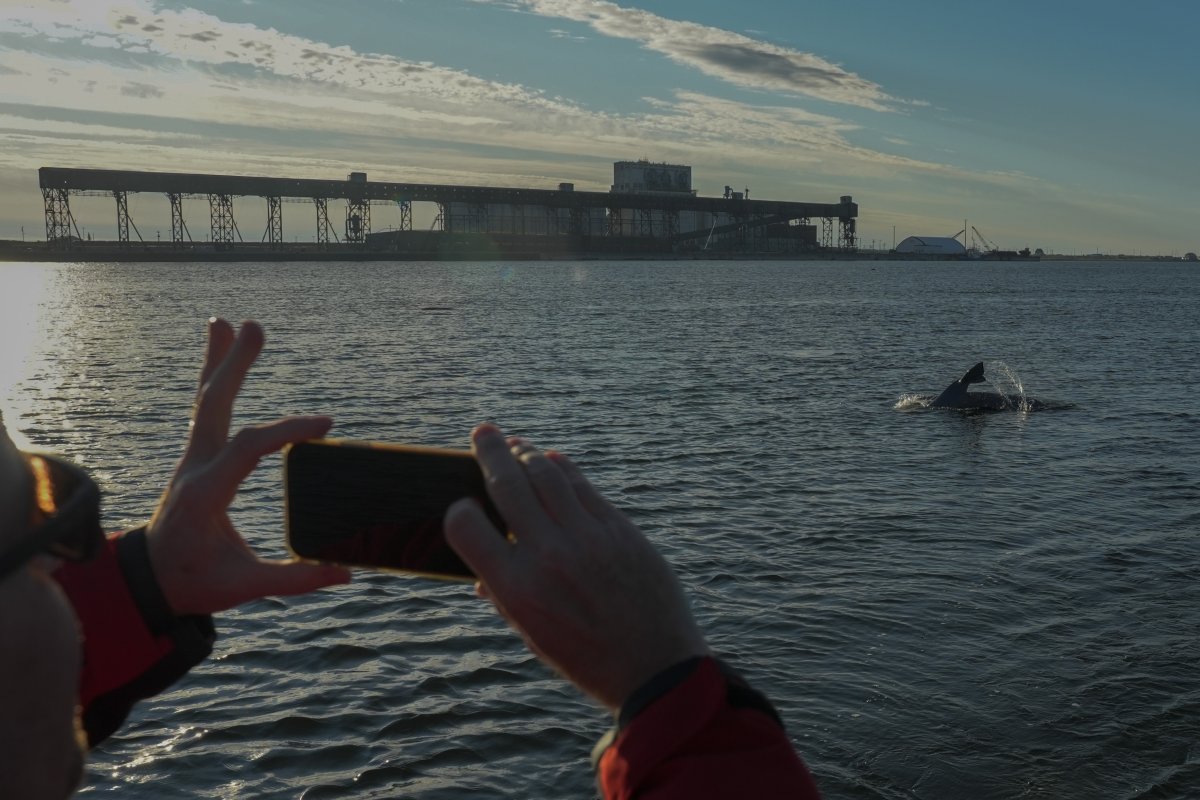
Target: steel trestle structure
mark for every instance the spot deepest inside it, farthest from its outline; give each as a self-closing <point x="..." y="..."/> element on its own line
<point x="680" y="220"/>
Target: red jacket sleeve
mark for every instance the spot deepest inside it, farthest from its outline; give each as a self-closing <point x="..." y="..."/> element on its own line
<point x="133" y="646"/>
<point x="709" y="735"/>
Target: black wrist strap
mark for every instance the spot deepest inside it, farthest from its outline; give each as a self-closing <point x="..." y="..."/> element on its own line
<point x="656" y="687"/>
<point x="191" y="636"/>
<point x="738" y="694"/>
<point x="742" y="695"/>
<point x="133" y="554"/>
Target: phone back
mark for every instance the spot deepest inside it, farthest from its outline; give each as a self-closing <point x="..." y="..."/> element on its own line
<point x="380" y="506"/>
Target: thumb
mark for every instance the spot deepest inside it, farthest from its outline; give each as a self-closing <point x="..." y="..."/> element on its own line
<point x="473" y="536"/>
<point x="293" y="577"/>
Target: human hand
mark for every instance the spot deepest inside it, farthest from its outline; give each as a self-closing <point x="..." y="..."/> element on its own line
<point x="202" y="563"/>
<point x="581" y="584"/>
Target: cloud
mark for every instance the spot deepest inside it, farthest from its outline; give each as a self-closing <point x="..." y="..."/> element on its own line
<point x="200" y="36"/>
<point x="253" y="90"/>
<point x="142" y="90"/>
<point x="196" y="38"/>
<point x="61" y="129"/>
<point x="722" y="54"/>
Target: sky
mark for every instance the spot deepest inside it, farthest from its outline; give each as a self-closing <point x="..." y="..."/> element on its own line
<point x="1067" y="125"/>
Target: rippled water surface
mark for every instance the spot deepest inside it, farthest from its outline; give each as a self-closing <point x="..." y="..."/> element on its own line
<point x="942" y="605"/>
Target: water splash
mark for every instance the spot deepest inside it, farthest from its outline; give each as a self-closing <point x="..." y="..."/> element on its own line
<point x="1008" y="385"/>
<point x="911" y="402"/>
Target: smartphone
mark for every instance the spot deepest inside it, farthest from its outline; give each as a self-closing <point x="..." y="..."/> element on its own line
<point x="381" y="506"/>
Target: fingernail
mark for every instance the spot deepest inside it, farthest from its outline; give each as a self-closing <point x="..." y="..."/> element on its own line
<point x="487" y="430"/>
<point x="462" y="506"/>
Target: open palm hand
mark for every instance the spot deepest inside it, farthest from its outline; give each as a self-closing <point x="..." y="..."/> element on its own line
<point x="202" y="563"/>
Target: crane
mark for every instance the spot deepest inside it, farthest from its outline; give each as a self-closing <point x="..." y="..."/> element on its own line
<point x="983" y="240"/>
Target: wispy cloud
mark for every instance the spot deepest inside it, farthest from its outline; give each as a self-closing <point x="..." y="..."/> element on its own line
<point x="722" y="54"/>
<point x="262" y="96"/>
<point x="142" y="90"/>
<point x="192" y="39"/>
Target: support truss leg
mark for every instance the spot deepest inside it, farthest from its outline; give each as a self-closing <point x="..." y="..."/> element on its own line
<point x="58" y="217"/>
<point x="645" y="222"/>
<point x="178" y="228"/>
<point x="358" y="220"/>
<point x="849" y="242"/>
<point x="615" y="216"/>
<point x="220" y="208"/>
<point x="322" y="206"/>
<point x="122" y="199"/>
<point x="274" y="235"/>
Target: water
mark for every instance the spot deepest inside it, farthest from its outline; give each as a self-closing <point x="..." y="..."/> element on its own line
<point x="942" y="605"/>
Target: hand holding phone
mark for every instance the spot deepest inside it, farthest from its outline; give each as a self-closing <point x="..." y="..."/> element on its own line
<point x="578" y="580"/>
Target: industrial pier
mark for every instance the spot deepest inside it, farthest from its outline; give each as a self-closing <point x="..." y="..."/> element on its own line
<point x="651" y="211"/>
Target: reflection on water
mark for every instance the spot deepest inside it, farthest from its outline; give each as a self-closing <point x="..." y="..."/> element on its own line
<point x="22" y="290"/>
<point x="942" y="606"/>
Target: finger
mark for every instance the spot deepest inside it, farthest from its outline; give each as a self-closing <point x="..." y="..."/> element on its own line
<point x="268" y="578"/>
<point x="519" y="445"/>
<point x="236" y="461"/>
<point x="484" y="549"/>
<point x="552" y="487"/>
<point x="587" y="494"/>
<point x="210" y="428"/>
<point x="220" y="338"/>
<point x="507" y="482"/>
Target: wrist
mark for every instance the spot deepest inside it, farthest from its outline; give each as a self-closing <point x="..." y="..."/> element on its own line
<point x="739" y="693"/>
<point x="658" y="685"/>
<point x="635" y="673"/>
<point x="134" y="557"/>
<point x="677" y="691"/>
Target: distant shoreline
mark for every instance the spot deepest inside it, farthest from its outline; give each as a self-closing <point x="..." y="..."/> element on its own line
<point x="114" y="252"/>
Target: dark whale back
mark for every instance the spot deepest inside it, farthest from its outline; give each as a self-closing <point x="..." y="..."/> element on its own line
<point x="956" y="394"/>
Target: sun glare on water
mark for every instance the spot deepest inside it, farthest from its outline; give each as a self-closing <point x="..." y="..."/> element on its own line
<point x="22" y="292"/>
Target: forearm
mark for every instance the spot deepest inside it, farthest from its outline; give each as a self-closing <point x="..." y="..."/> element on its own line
<point x="698" y="730"/>
<point x="134" y="647"/>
